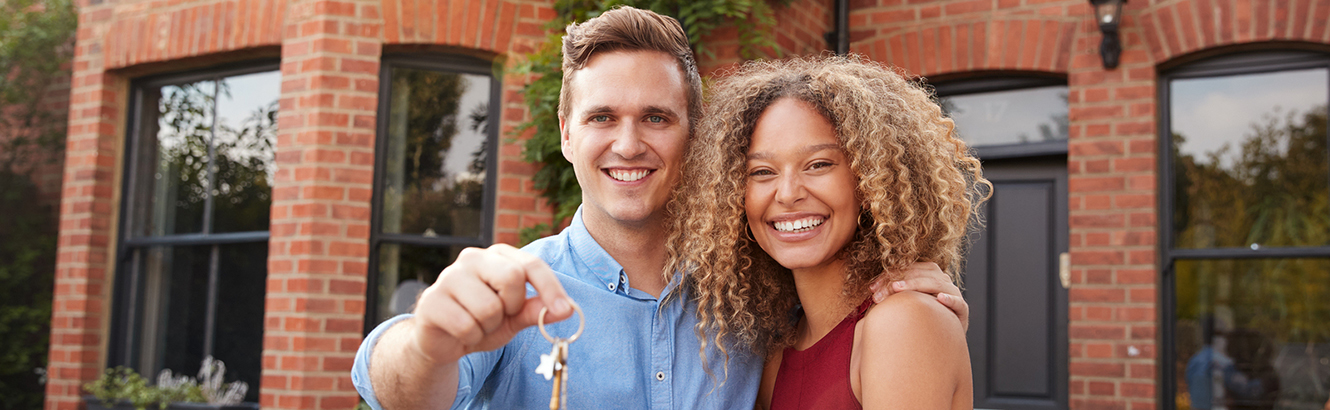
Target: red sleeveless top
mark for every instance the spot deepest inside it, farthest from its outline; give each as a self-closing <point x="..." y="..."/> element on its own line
<point x="819" y="377"/>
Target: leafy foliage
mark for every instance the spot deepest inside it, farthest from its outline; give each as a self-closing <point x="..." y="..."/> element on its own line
<point x="36" y="45"/>
<point x="555" y="178"/>
<point x="122" y="384"/>
<point x="1270" y="193"/>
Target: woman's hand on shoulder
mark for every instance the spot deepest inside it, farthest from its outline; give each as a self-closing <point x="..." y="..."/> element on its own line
<point x="910" y="354"/>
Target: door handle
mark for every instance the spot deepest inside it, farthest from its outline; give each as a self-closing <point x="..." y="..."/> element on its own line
<point x="1064" y="269"/>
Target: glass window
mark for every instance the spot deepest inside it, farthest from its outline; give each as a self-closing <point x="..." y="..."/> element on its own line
<point x="434" y="184"/>
<point x="1022" y="116"/>
<point x="1246" y="216"/>
<point x="194" y="250"/>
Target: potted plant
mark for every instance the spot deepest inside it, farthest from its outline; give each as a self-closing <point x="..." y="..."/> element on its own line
<point x="124" y="389"/>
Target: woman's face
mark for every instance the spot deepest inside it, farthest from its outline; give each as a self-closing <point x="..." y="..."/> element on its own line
<point x="800" y="196"/>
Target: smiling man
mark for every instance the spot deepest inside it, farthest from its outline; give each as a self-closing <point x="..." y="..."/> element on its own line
<point x="630" y="99"/>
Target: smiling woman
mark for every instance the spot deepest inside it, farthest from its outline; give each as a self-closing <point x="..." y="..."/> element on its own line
<point x="807" y="180"/>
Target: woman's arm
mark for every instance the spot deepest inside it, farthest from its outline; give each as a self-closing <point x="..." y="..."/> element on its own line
<point x="910" y="353"/>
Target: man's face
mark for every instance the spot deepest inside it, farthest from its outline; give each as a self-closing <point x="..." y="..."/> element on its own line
<point x="625" y="134"/>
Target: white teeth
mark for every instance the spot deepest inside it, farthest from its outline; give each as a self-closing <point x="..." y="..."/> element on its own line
<point x="628" y="176"/>
<point x="799" y="225"/>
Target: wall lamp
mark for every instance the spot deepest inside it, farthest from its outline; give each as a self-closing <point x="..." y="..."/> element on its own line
<point x="1108" y="13"/>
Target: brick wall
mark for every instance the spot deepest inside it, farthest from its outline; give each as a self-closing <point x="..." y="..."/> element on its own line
<point x="1113" y="147"/>
<point x="330" y="52"/>
<point x="319" y="248"/>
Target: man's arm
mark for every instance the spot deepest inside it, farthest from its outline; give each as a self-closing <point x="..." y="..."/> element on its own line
<point x="477" y="304"/>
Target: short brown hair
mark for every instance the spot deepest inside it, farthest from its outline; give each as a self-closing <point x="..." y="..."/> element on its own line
<point x="629" y="29"/>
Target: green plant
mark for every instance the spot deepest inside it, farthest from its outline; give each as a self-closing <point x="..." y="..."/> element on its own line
<point x="36" y="45"/>
<point x="555" y="178"/>
<point x="124" y="384"/>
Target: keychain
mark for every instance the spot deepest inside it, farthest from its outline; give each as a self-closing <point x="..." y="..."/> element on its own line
<point x="555" y="365"/>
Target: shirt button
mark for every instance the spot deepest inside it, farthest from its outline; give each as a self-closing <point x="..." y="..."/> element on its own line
<point x="660" y="375"/>
<point x="611" y="286"/>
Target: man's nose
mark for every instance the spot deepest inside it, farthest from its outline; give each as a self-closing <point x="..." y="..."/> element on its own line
<point x="628" y="141"/>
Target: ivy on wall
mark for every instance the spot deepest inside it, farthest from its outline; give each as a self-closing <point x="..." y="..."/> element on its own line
<point x="36" y="46"/>
<point x="555" y="178"/>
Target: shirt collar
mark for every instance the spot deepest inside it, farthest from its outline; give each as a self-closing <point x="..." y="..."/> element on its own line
<point x="600" y="266"/>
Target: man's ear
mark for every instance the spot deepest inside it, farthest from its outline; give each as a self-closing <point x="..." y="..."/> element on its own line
<point x="564" y="143"/>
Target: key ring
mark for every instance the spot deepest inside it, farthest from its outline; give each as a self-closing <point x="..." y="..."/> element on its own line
<point x="581" y="325"/>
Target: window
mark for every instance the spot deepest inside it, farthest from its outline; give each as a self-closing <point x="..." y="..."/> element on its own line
<point x="1008" y="116"/>
<point x="434" y="176"/>
<point x="1246" y="231"/>
<point x="194" y="237"/>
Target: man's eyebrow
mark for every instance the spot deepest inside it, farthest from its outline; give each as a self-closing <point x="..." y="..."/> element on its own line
<point x="762" y="155"/>
<point x="599" y="109"/>
<point x="660" y="110"/>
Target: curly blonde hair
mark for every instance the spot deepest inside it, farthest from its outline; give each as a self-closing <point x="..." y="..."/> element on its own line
<point x="919" y="186"/>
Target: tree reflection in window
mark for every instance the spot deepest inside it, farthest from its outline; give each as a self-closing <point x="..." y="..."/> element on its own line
<point x="435" y="167"/>
<point x="1250" y="175"/>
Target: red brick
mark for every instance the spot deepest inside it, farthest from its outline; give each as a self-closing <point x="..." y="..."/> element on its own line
<point x="1096" y="295"/>
<point x="1096" y="369"/>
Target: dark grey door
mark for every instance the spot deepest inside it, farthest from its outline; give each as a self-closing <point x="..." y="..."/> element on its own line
<point x="1018" y="305"/>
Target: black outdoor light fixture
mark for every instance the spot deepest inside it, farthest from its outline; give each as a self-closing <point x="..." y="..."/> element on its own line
<point x="1107" y="13"/>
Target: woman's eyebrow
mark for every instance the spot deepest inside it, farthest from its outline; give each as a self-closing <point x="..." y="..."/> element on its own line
<point x="762" y="155"/>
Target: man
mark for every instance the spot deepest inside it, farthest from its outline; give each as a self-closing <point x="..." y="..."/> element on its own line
<point x="630" y="99"/>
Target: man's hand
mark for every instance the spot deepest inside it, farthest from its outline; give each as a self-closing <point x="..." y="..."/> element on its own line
<point x="927" y="277"/>
<point x="479" y="302"/>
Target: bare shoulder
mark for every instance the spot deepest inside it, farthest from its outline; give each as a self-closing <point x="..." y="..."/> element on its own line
<point x="911" y="315"/>
<point x="913" y="350"/>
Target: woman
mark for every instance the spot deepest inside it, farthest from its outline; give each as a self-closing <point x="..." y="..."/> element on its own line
<point x="807" y="180"/>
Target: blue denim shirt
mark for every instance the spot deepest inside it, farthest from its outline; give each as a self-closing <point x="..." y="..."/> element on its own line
<point x="636" y="353"/>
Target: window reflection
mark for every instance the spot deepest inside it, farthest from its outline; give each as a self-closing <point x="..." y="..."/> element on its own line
<point x="405" y="271"/>
<point x="1021" y="116"/>
<point x="1251" y="334"/>
<point x="434" y="179"/>
<point x="1249" y="160"/>
<point x="245" y="132"/>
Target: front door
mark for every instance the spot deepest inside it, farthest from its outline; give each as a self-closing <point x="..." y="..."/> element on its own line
<point x="1018" y="305"/>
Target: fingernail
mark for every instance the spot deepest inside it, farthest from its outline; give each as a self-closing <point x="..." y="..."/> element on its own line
<point x="945" y="298"/>
<point x="561" y="305"/>
<point x="878" y="296"/>
<point x="898" y="285"/>
<point x="875" y="285"/>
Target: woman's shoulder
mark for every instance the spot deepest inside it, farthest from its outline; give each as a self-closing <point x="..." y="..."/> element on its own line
<point x="911" y="316"/>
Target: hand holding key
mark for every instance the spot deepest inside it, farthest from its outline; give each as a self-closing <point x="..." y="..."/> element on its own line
<point x="479" y="303"/>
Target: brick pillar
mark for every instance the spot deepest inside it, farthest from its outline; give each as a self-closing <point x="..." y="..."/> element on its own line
<point x="321" y="203"/>
<point x="1112" y="184"/>
<point x="87" y="217"/>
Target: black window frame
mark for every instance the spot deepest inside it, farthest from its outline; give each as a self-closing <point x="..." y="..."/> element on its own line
<point x="1238" y="63"/>
<point x="126" y="302"/>
<point x="377" y="238"/>
<point x="1000" y="81"/>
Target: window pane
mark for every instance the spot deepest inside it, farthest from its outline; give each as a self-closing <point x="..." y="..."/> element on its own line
<point x="1010" y="117"/>
<point x="434" y="179"/>
<point x="246" y="130"/>
<point x="1249" y="160"/>
<point x="241" y="293"/>
<point x="1252" y="333"/>
<point x="173" y="177"/>
<point x="404" y="271"/>
<point x="174" y="313"/>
